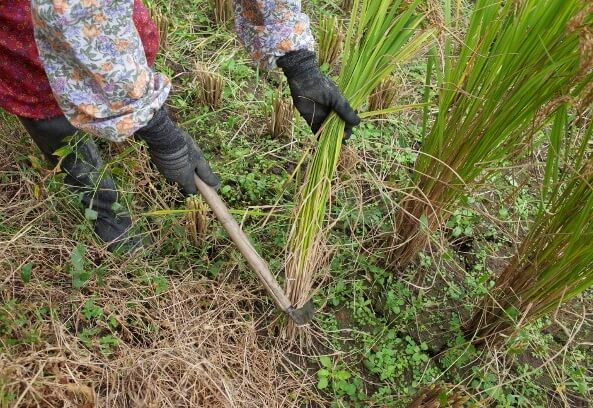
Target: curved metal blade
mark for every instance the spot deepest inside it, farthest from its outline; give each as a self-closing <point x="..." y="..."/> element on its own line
<point x="302" y="315"/>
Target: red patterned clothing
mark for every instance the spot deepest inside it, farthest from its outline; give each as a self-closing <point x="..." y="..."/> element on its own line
<point x="271" y="28"/>
<point x="24" y="88"/>
<point x="84" y="58"/>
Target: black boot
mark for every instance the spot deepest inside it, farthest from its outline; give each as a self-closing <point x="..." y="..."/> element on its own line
<point x="83" y="174"/>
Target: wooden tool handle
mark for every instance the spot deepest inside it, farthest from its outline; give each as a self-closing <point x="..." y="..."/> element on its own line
<point x="259" y="266"/>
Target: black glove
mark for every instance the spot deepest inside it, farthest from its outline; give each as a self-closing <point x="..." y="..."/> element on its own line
<point x="315" y="95"/>
<point x="175" y="153"/>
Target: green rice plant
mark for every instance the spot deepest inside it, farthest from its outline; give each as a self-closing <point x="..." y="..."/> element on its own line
<point x="517" y="62"/>
<point x="554" y="263"/>
<point x="329" y="40"/>
<point x="381" y="33"/>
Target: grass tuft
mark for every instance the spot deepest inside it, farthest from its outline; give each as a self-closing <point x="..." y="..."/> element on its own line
<point x="222" y="11"/>
<point x="282" y="115"/>
<point x="209" y="86"/>
<point x="197" y="220"/>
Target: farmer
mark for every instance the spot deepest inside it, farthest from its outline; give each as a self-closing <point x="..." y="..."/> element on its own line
<point x="86" y="64"/>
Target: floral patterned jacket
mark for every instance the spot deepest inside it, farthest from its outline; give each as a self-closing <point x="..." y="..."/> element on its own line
<point x="97" y="69"/>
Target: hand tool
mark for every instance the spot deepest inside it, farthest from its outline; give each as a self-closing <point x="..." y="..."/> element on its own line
<point x="302" y="315"/>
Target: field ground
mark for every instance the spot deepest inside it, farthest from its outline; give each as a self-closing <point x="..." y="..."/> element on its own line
<point x="180" y="325"/>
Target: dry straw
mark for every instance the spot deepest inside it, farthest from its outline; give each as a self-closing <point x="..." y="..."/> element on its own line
<point x="380" y="35"/>
<point x="194" y="343"/>
<point x="194" y="346"/>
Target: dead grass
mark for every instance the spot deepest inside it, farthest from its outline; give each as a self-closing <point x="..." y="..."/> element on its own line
<point x="204" y="351"/>
<point x="198" y="342"/>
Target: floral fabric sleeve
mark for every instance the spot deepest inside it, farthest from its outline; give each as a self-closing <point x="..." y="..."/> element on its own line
<point x="96" y="66"/>
<point x="271" y="28"/>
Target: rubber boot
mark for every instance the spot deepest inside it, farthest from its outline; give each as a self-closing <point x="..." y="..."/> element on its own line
<point x="83" y="168"/>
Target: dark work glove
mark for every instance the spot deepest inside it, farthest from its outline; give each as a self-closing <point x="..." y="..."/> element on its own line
<point x="315" y="95"/>
<point x="175" y="153"/>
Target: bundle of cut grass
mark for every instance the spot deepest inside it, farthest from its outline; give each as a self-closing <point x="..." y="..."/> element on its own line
<point x="197" y="220"/>
<point x="209" y="86"/>
<point x="282" y="115"/>
<point x="516" y="62"/>
<point x="381" y="33"/>
<point x="554" y="263"/>
<point x="329" y="40"/>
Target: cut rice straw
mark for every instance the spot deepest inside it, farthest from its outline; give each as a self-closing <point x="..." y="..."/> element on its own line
<point x="380" y="35"/>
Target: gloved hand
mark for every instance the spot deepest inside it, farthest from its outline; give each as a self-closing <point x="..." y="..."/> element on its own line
<point x="314" y="94"/>
<point x="175" y="153"/>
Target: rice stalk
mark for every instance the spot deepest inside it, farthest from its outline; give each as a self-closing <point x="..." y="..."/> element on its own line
<point x="554" y="263"/>
<point x="379" y="36"/>
<point x="197" y="220"/>
<point x="329" y="39"/>
<point x="439" y="396"/>
<point x="383" y="95"/>
<point x="209" y="86"/>
<point x="516" y="65"/>
<point x="162" y="23"/>
<point x="281" y="118"/>
<point x="349" y="159"/>
<point x="222" y="11"/>
<point x="347" y="5"/>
